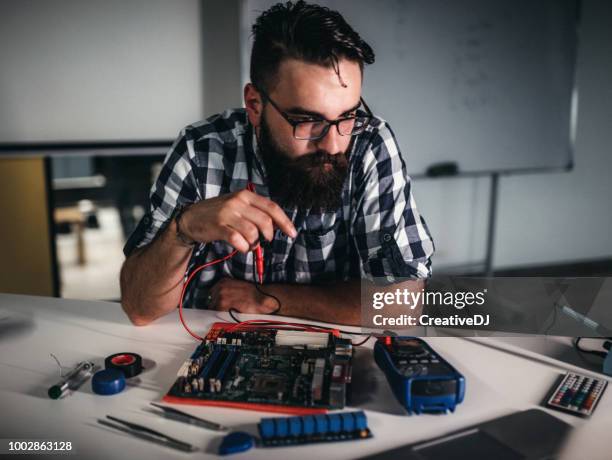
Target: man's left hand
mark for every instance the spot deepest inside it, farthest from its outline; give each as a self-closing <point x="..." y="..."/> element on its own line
<point x="242" y="295"/>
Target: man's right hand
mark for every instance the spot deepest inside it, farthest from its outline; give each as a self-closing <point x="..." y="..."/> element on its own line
<point x="238" y="218"/>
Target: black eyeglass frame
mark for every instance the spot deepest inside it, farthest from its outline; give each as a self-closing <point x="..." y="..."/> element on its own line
<point x="328" y="123"/>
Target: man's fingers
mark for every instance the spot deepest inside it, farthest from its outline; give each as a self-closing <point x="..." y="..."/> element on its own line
<point x="234" y="237"/>
<point x="274" y="211"/>
<point x="248" y="215"/>
<point x="247" y="229"/>
<point x="263" y="222"/>
<point x="229" y="293"/>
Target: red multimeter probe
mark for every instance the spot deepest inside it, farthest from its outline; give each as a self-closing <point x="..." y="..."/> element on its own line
<point x="259" y="261"/>
<point x="259" y="266"/>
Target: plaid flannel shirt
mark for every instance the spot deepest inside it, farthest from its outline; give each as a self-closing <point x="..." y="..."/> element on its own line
<point x="377" y="232"/>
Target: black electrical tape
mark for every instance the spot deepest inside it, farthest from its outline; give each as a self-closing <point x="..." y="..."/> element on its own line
<point x="128" y="363"/>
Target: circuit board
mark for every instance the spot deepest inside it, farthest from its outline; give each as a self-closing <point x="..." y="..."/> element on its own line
<point x="266" y="368"/>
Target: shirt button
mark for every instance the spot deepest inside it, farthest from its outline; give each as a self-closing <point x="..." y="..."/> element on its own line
<point x="146" y="220"/>
<point x="387" y="237"/>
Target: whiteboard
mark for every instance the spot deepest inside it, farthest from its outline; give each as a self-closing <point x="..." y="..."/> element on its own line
<point x="89" y="70"/>
<point x="486" y="84"/>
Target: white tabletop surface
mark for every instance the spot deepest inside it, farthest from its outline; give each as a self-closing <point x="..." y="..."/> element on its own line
<point x="500" y="379"/>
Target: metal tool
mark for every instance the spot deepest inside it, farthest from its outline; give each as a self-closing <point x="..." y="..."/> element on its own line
<point x="146" y="433"/>
<point x="175" y="414"/>
<point x="72" y="380"/>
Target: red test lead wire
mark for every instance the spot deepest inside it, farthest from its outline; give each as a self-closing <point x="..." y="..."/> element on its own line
<point x="259" y="264"/>
<point x="186" y="283"/>
<point x="259" y="260"/>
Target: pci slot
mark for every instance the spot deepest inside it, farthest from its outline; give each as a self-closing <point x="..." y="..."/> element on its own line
<point x="228" y="362"/>
<point x="216" y="383"/>
<point x="215" y="369"/>
<point x="209" y="364"/>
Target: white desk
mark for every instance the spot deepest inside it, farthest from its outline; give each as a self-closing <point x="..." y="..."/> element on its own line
<point x="32" y="327"/>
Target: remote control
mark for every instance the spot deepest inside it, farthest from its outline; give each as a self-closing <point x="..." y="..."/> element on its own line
<point x="576" y="394"/>
<point x="421" y="380"/>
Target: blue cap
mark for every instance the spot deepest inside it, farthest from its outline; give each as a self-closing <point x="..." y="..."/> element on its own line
<point x="321" y="424"/>
<point x="108" y="382"/>
<point x="361" y="422"/>
<point x="235" y="442"/>
<point x="335" y="423"/>
<point x="348" y="422"/>
<point x="282" y="427"/>
<point x="267" y="428"/>
<point x="309" y="424"/>
<point x="295" y="426"/>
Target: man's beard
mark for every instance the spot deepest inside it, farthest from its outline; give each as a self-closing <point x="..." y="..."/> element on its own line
<point x="314" y="180"/>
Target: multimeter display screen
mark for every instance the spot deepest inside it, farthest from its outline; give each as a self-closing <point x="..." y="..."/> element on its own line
<point x="403" y="345"/>
<point x="433" y="387"/>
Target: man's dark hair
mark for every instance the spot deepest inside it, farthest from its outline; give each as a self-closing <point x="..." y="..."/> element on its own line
<point x="307" y="32"/>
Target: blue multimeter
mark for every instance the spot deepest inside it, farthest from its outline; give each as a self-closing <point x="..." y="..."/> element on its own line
<point x="421" y="380"/>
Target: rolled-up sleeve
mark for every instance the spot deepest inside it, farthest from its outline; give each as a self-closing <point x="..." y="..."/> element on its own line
<point x="391" y="237"/>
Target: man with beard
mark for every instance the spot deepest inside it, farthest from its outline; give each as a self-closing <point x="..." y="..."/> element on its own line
<point x="331" y="206"/>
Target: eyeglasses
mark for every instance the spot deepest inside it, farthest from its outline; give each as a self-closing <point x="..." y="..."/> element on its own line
<point x="312" y="128"/>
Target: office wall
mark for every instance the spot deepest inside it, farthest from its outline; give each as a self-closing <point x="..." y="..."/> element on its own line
<point x="221" y="55"/>
<point x="543" y="218"/>
<point x="565" y="217"/>
<point x="89" y="70"/>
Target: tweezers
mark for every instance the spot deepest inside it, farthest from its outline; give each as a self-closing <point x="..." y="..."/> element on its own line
<point x="175" y="414"/>
<point x="143" y="432"/>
